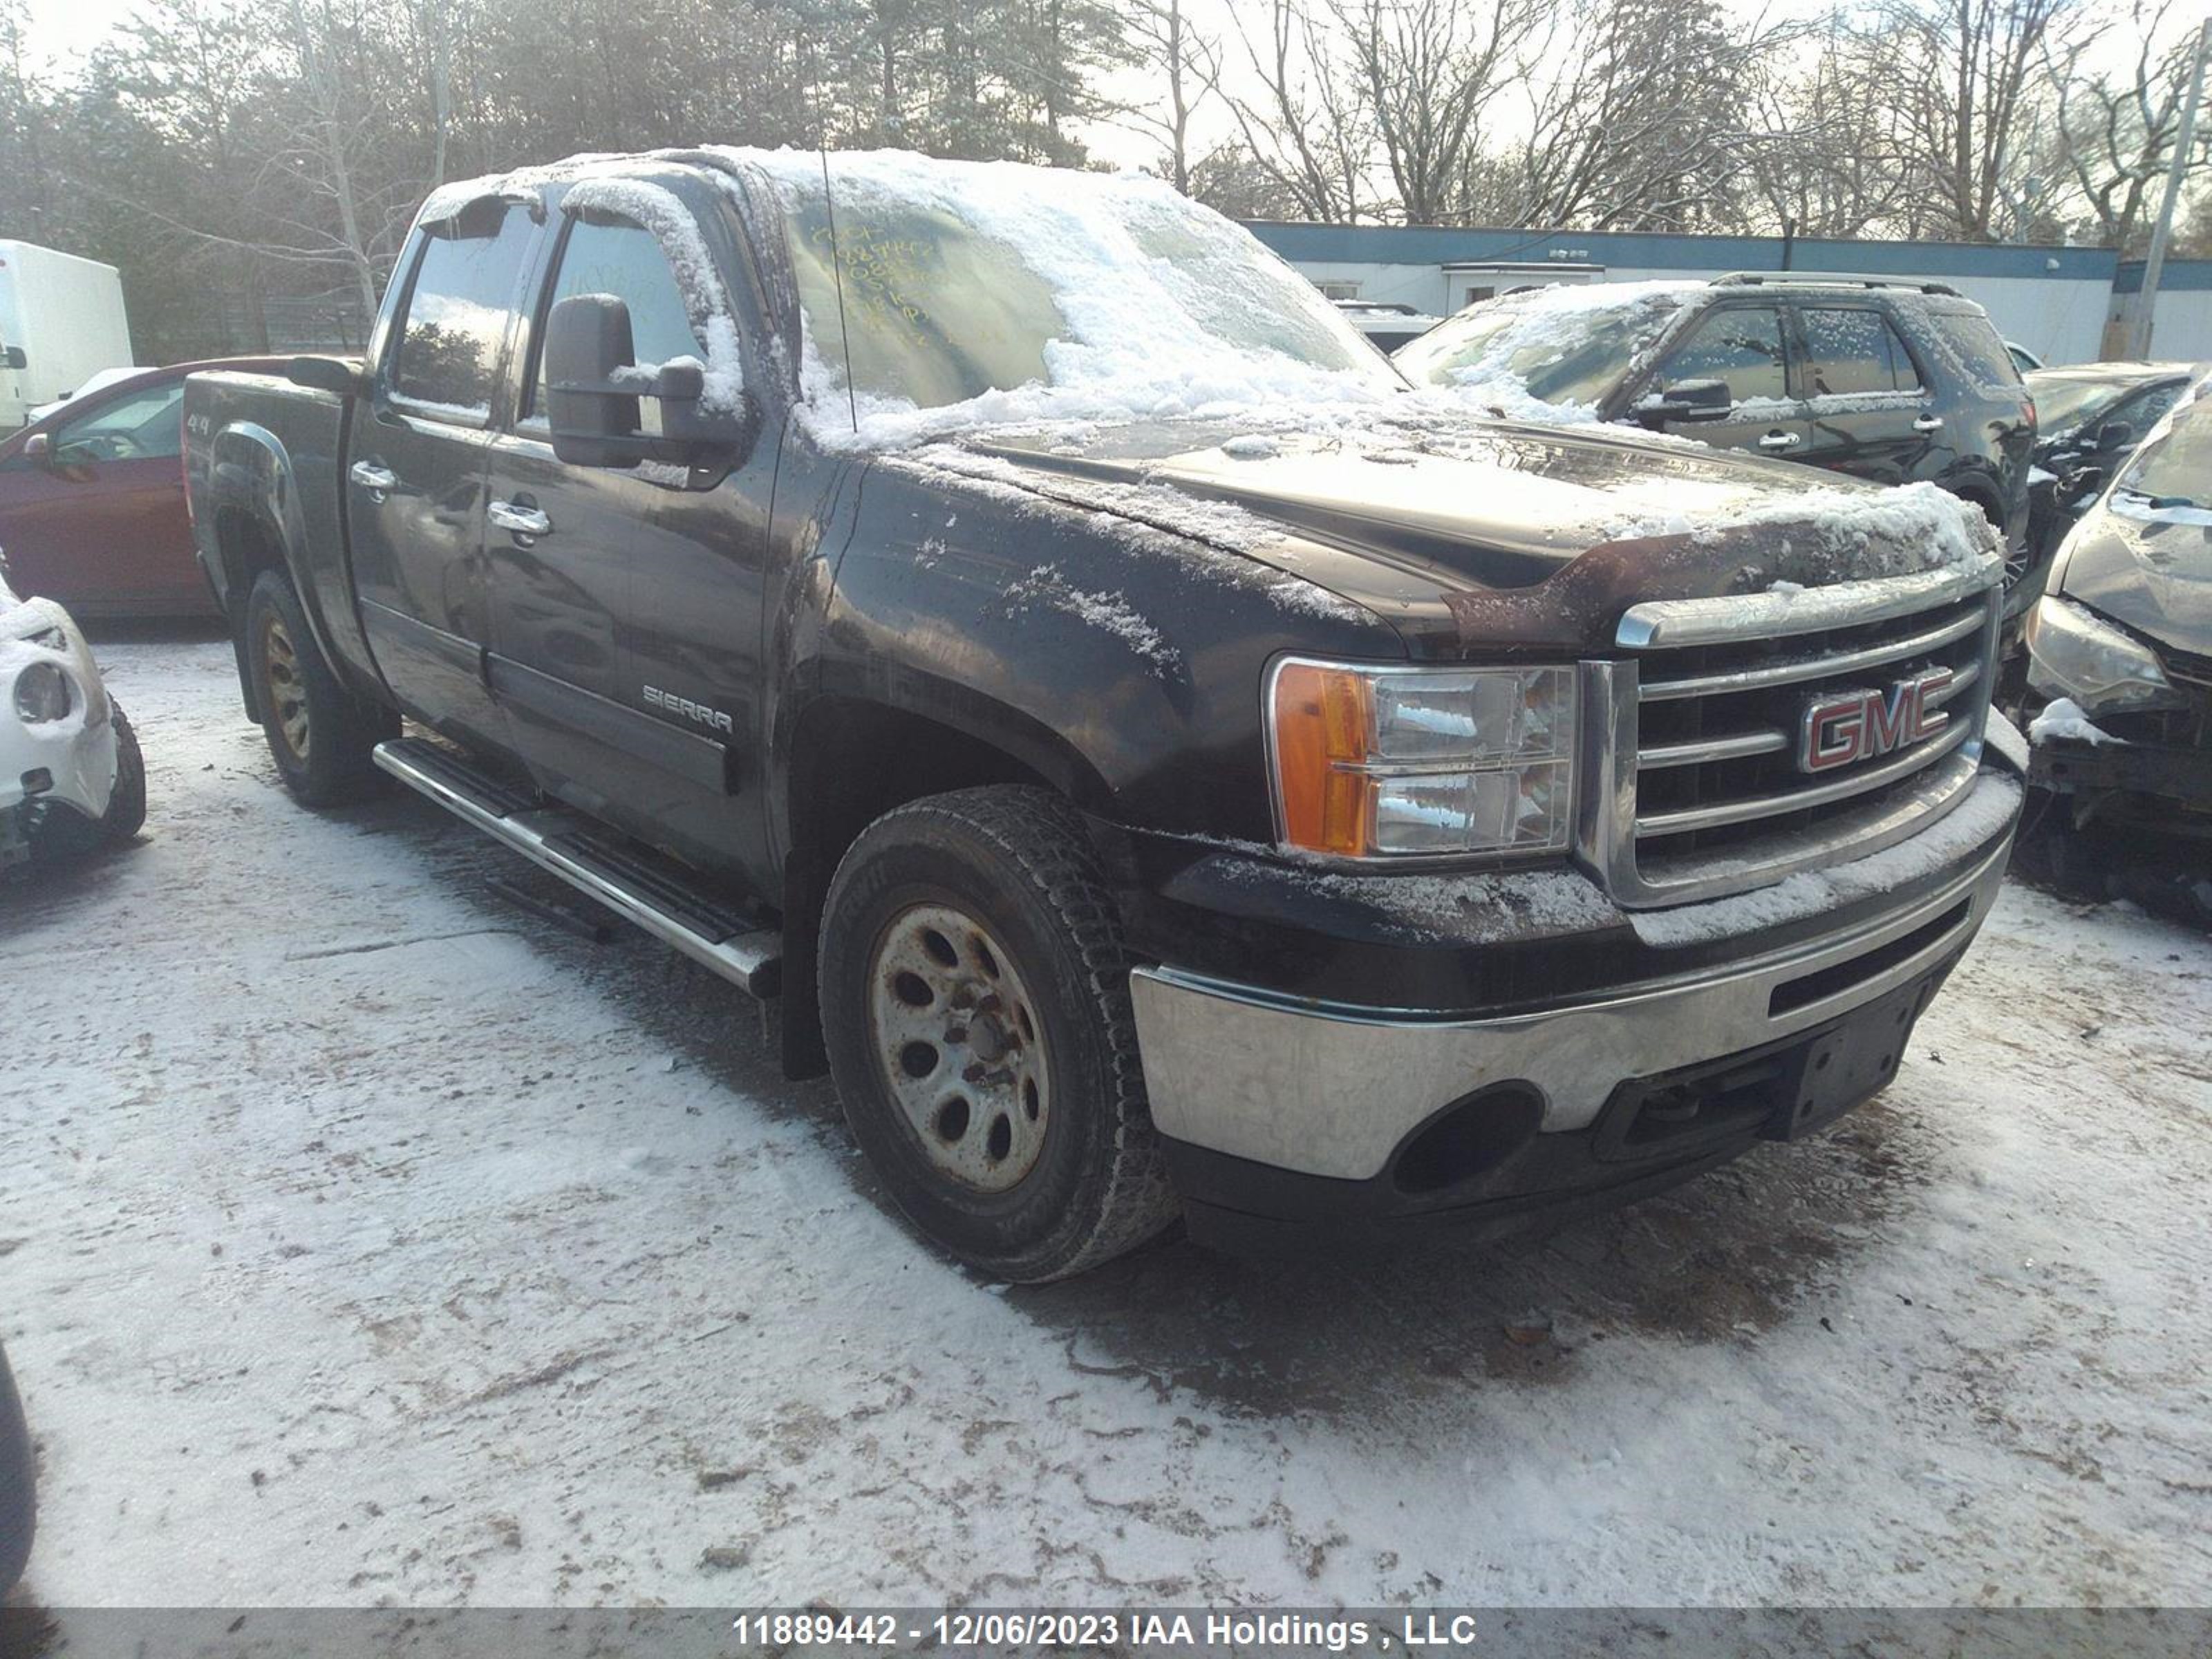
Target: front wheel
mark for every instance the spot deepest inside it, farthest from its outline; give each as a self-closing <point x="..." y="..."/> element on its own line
<point x="976" y="1000"/>
<point x="320" y="734"/>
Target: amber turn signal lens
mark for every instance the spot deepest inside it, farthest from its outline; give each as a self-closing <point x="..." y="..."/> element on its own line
<point x="1322" y="718"/>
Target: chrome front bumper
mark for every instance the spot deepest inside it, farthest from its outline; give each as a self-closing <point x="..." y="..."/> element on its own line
<point x="1327" y="1090"/>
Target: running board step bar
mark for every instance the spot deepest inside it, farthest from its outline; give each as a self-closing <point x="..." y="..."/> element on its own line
<point x="658" y="895"/>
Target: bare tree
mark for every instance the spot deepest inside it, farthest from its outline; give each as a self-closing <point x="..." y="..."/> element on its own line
<point x="1642" y="126"/>
<point x="1187" y="61"/>
<point x="1963" y="74"/>
<point x="1834" y="161"/>
<point x="1308" y="126"/>
<point x="1430" y="72"/>
<point x="2116" y="130"/>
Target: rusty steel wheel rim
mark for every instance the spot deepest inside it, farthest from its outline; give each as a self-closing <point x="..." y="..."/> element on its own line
<point x="283" y="687"/>
<point x="957" y="1040"/>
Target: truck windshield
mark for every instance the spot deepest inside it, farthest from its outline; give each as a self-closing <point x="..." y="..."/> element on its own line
<point x="1079" y="295"/>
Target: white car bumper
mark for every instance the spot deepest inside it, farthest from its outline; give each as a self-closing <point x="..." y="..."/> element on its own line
<point x="70" y="760"/>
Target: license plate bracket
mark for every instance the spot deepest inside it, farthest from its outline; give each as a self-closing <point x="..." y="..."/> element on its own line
<point x="1854" y="1058"/>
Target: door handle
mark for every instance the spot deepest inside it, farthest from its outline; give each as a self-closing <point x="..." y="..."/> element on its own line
<point x="1779" y="440"/>
<point x="521" y="517"/>
<point x="1929" y="423"/>
<point x="369" y="476"/>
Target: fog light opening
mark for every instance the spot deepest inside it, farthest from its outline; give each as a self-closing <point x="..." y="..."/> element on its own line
<point x="1470" y="1137"/>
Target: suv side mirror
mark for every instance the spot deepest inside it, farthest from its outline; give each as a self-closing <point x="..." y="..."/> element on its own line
<point x="38" y="449"/>
<point x="13" y="357"/>
<point x="2116" y="435"/>
<point x="594" y="383"/>
<point x="340" y="374"/>
<point x="1688" y="400"/>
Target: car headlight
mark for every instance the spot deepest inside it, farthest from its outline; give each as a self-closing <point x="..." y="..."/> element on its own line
<point x="2073" y="653"/>
<point x="1384" y="762"/>
<point x="42" y="693"/>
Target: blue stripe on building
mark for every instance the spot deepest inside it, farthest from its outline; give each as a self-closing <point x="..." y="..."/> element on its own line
<point x="2188" y="276"/>
<point x="1436" y="245"/>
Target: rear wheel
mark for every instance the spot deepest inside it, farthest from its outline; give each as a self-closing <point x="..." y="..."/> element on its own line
<point x="320" y="734"/>
<point x="975" y="997"/>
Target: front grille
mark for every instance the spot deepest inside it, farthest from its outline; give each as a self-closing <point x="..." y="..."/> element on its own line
<point x="1709" y="791"/>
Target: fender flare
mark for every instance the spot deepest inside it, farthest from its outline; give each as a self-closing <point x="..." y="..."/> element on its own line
<point x="252" y="476"/>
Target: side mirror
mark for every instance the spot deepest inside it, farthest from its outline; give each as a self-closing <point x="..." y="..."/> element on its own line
<point x="594" y="384"/>
<point x="1688" y="400"/>
<point x="13" y="357"/>
<point x="2116" y="435"/>
<point x="587" y="346"/>
<point x="340" y="374"/>
<point x="38" y="449"/>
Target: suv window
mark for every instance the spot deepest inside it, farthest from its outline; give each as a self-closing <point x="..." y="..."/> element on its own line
<point x="1740" y="346"/>
<point x="1969" y="337"/>
<point x="610" y="256"/>
<point x="138" y="425"/>
<point x="448" y="353"/>
<point x="1854" y="351"/>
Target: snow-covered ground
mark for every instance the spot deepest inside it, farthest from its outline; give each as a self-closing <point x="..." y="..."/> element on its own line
<point x="366" y="1240"/>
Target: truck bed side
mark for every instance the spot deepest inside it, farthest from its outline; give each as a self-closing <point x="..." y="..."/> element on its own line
<point x="265" y="466"/>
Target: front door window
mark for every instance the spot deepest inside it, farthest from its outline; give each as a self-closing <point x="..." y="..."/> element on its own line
<point x="1742" y="348"/>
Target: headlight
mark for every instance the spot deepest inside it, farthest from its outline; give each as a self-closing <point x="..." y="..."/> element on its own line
<point x="2073" y="653"/>
<point x="42" y="693"/>
<point x="1380" y="763"/>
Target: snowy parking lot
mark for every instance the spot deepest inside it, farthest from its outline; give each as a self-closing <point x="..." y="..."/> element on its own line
<point x="366" y="1239"/>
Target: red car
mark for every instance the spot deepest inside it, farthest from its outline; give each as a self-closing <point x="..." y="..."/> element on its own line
<point x="91" y="500"/>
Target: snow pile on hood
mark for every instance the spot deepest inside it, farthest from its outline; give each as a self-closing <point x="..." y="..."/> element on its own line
<point x="1515" y="356"/>
<point x="22" y="619"/>
<point x="1850" y="531"/>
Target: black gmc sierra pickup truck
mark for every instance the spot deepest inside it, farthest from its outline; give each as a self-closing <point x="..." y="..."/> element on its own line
<point x="1164" y="765"/>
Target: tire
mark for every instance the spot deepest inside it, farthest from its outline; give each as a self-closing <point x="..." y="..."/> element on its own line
<point x="126" y="802"/>
<point x="320" y="735"/>
<point x="1021" y="1142"/>
<point x="59" y="832"/>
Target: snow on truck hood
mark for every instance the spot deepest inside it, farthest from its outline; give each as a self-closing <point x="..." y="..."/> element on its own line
<point x="1505" y="533"/>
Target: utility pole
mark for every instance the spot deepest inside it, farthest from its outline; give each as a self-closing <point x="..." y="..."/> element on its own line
<point x="2154" y="265"/>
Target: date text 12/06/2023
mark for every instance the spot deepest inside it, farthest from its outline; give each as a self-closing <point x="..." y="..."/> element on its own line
<point x="1080" y="1632"/>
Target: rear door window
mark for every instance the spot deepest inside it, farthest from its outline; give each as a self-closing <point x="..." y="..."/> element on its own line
<point x="1740" y="347"/>
<point x="1853" y="349"/>
<point x="446" y="363"/>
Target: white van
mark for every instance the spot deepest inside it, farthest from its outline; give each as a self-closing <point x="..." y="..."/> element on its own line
<point x="61" y="322"/>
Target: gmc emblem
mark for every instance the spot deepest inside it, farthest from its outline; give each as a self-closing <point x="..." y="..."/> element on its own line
<point x="1856" y="726"/>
